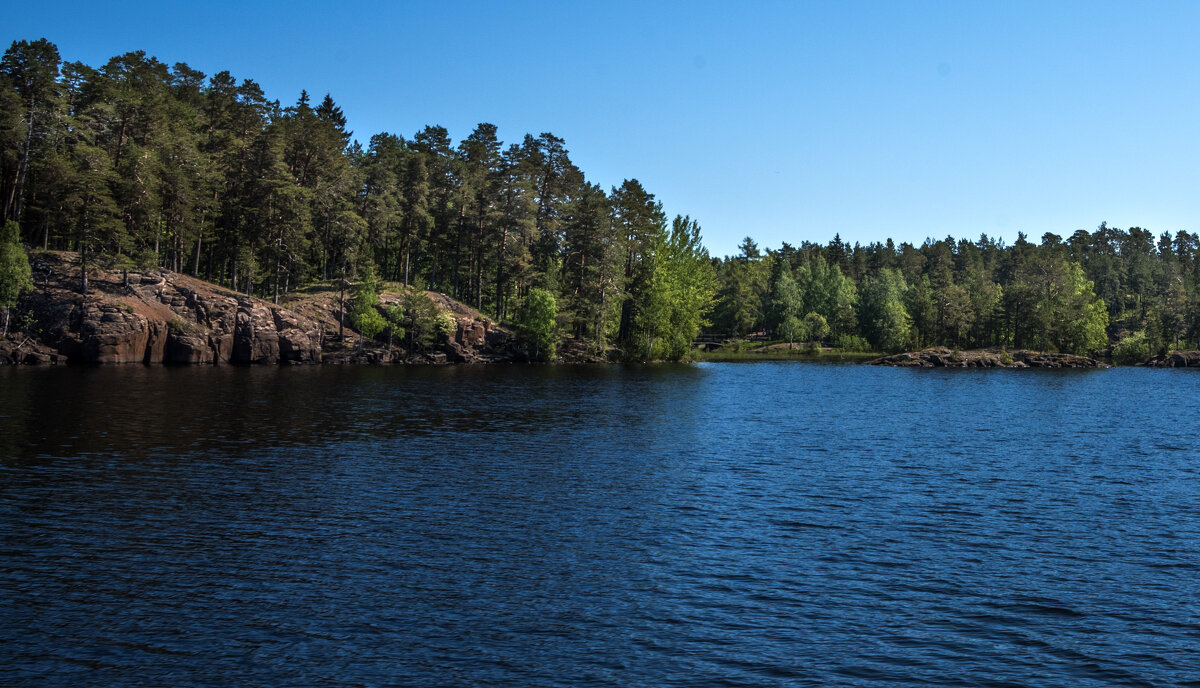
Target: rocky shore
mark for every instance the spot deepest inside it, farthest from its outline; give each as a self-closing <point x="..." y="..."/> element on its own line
<point x="941" y="357"/>
<point x="158" y="316"/>
<point x="1176" y="359"/>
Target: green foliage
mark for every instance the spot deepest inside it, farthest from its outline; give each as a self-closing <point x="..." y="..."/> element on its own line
<point x="1132" y="349"/>
<point x="364" y="308"/>
<point x="824" y="290"/>
<point x="536" y="321"/>
<point x="786" y="303"/>
<point x="421" y="319"/>
<point x="1083" y="319"/>
<point x="885" y="322"/>
<point x="791" y="329"/>
<point x="1054" y="308"/>
<point x="369" y="323"/>
<point x="208" y="175"/>
<point x="144" y="260"/>
<point x="815" y="327"/>
<point x="394" y="316"/>
<point x="14" y="270"/>
<point x="851" y="343"/>
<point x="28" y="323"/>
<point x="15" y="274"/>
<point x="677" y="292"/>
<point x="739" y="299"/>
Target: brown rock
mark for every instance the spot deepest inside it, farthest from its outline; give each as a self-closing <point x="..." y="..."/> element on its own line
<point x="188" y="348"/>
<point x="1176" y="359"/>
<point x="941" y="357"/>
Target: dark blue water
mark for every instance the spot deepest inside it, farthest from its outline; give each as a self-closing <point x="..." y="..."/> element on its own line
<point x="709" y="525"/>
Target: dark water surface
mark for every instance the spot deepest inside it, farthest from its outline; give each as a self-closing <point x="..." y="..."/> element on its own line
<point x="772" y="524"/>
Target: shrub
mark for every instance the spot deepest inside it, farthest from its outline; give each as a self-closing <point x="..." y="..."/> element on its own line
<point x="851" y="343"/>
<point x="1132" y="349"/>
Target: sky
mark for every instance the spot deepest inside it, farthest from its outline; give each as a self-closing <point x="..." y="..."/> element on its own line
<point x="782" y="121"/>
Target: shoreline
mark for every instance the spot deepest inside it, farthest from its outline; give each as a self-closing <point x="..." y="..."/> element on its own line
<point x="157" y="317"/>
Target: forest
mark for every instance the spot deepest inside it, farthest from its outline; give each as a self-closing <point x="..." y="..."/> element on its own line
<point x="139" y="163"/>
<point x="1127" y="289"/>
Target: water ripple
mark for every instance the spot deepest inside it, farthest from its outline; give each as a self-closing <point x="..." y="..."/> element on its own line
<point x="709" y="525"/>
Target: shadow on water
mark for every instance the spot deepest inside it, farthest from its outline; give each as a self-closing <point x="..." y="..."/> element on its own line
<point x="135" y="410"/>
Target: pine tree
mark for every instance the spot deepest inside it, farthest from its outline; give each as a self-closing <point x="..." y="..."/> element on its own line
<point x="31" y="70"/>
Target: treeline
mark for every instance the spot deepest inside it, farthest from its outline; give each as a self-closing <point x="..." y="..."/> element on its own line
<point x="1078" y="295"/>
<point x="155" y="165"/>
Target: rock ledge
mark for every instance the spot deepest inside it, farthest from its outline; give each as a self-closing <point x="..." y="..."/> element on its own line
<point x="1176" y="359"/>
<point x="941" y="357"/>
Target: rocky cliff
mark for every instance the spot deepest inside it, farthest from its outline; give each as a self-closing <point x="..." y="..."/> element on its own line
<point x="157" y="316"/>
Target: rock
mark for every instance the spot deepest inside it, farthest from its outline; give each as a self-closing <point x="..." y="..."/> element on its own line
<point x="188" y="348"/>
<point x="157" y="316"/>
<point x="1176" y="359"/>
<point x="161" y="317"/>
<point x="299" y="340"/>
<point x="255" y="340"/>
<point x="109" y="334"/>
<point x="471" y="333"/>
<point x="941" y="357"/>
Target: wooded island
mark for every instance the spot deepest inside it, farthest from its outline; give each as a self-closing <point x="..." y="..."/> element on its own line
<point x="137" y="166"/>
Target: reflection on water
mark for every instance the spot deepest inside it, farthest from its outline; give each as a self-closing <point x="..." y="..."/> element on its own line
<point x="709" y="525"/>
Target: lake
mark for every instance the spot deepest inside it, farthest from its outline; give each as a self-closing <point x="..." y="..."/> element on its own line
<point x="765" y="524"/>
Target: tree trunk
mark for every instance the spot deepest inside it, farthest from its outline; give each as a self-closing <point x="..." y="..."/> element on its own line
<point x="12" y="210"/>
<point x="199" y="241"/>
<point x="462" y="218"/>
<point x="278" y="248"/>
<point x="83" y="268"/>
<point x="250" y="276"/>
<point x="342" y="306"/>
<point x="500" y="274"/>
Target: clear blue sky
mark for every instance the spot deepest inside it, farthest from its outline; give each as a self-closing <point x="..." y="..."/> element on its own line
<point x="785" y="121"/>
